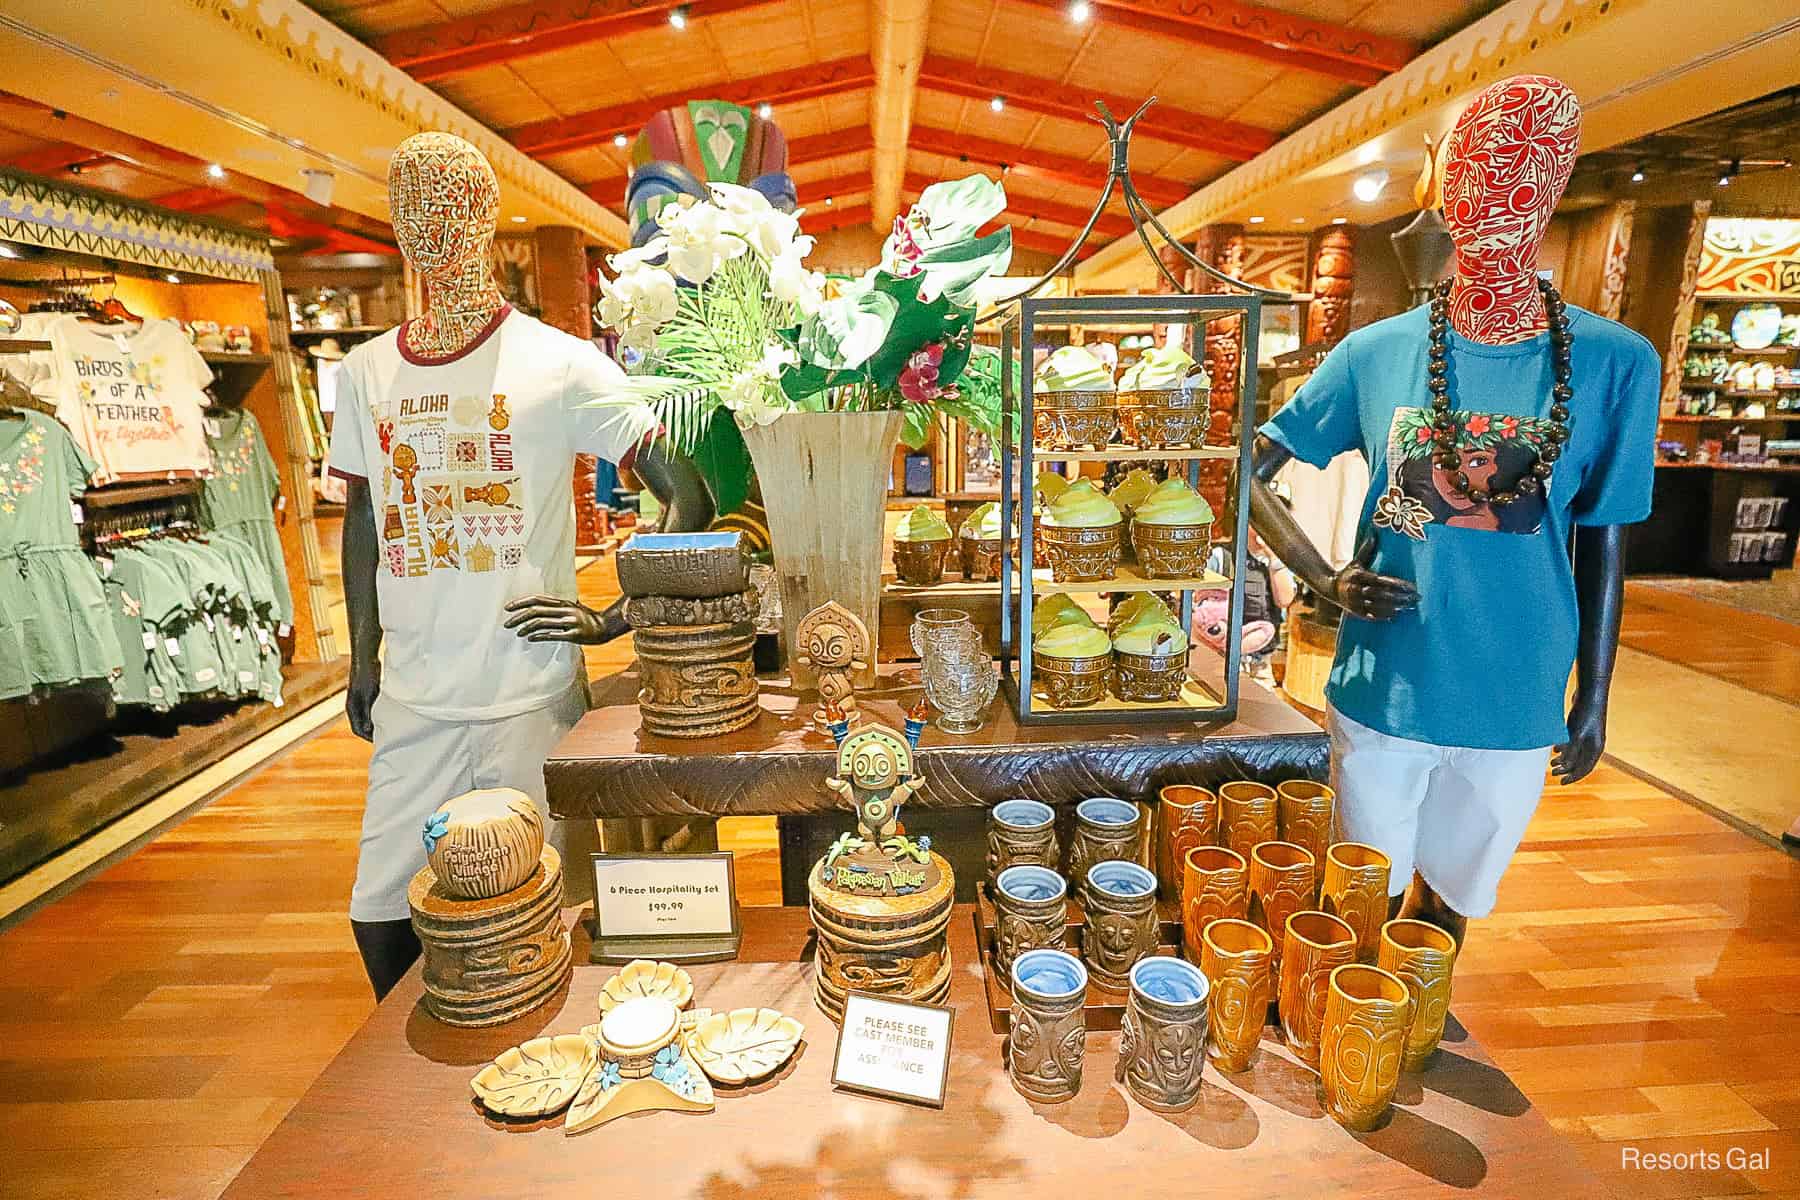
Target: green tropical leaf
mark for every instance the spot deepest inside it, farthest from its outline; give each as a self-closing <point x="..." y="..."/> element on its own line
<point x="844" y="332"/>
<point x="953" y="269"/>
<point x="916" y="423"/>
<point x="955" y="209"/>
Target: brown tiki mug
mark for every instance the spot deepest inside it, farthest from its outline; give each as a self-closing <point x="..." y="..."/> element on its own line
<point x="1421" y="956"/>
<point x="1281" y="884"/>
<point x="1366" y="1014"/>
<point x="1313" y="946"/>
<point x="1120" y="899"/>
<point x="1021" y="833"/>
<point x="1235" y="957"/>
<point x="1031" y="912"/>
<point x="1305" y="810"/>
<point x="1247" y="815"/>
<point x="1046" y="1042"/>
<point x="1163" y="1034"/>
<point x="1186" y="816"/>
<point x="1105" y="828"/>
<point x="1355" y="887"/>
<point x="1215" y="884"/>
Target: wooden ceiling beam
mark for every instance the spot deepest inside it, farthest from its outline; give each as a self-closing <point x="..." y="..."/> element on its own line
<point x="1110" y="225"/>
<point x="1252" y="31"/>
<point x="1049" y="243"/>
<point x="897" y="44"/>
<point x="502" y="35"/>
<point x="1165" y="123"/>
<point x="812" y="195"/>
<point x="1059" y="169"/>
<point x="816" y="148"/>
<point x="824" y="220"/>
<point x="48" y="160"/>
<point x="559" y="134"/>
<point x="197" y="199"/>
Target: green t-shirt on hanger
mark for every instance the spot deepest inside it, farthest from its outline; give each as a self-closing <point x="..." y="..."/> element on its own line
<point x="241" y="496"/>
<point x="190" y="643"/>
<point x="145" y="602"/>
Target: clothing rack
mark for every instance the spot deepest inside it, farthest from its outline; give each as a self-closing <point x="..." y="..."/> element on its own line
<point x="172" y="515"/>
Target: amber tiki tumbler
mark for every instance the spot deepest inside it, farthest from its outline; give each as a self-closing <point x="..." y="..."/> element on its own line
<point x="1247" y="816"/>
<point x="1313" y="946"/>
<point x="1281" y="884"/>
<point x="1235" y="958"/>
<point x="1355" y="888"/>
<point x="1366" y="1014"/>
<point x="1215" y="883"/>
<point x="1305" y="811"/>
<point x="1422" y="956"/>
<point x="1186" y="816"/>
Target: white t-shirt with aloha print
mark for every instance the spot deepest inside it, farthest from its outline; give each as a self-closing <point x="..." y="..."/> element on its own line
<point x="133" y="397"/>
<point x="470" y="461"/>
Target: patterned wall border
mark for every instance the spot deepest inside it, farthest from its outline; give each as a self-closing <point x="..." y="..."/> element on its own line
<point x="293" y="33"/>
<point x="37" y="213"/>
<point x="1488" y="50"/>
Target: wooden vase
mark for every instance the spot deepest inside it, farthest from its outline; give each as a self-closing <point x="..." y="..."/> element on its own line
<point x="1247" y="815"/>
<point x="1235" y="956"/>
<point x="1366" y="1014"/>
<point x="1314" y="945"/>
<point x="1421" y="956"/>
<point x="1186" y="816"/>
<point x="1355" y="887"/>
<point x="824" y="483"/>
<point x="698" y="681"/>
<point x="1215" y="885"/>
<point x="1305" y="812"/>
<point x="1281" y="884"/>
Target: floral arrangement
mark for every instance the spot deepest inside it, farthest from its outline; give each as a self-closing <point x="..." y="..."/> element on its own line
<point x="1416" y="438"/>
<point x="727" y="316"/>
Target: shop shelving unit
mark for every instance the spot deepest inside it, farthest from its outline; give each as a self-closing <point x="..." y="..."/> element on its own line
<point x="1021" y="317"/>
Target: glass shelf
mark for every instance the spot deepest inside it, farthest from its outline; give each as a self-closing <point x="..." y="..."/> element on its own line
<point x="1129" y="579"/>
<point x="1133" y="454"/>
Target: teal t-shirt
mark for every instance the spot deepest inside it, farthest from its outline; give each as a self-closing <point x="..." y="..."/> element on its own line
<point x="1484" y="660"/>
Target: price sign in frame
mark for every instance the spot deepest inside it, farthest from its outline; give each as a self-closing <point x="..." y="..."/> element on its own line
<point x="680" y="948"/>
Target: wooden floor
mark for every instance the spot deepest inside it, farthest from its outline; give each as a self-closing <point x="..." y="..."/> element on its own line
<point x="1640" y="982"/>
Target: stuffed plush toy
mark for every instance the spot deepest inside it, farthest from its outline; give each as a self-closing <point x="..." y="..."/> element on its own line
<point x="1212" y="618"/>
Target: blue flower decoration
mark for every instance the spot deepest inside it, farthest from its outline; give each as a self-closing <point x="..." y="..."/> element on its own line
<point x="609" y="1075"/>
<point x="436" y="826"/>
<point x="669" y="1068"/>
<point x="925" y="841"/>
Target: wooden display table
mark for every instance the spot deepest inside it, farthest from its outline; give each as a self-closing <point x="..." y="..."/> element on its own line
<point x="607" y="767"/>
<point x="392" y="1116"/>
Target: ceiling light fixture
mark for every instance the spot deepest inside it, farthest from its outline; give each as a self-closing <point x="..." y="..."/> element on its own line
<point x="1299" y="220"/>
<point x="1257" y="220"/>
<point x="518" y="220"/>
<point x="1637" y="174"/>
<point x="678" y="16"/>
<point x="1340" y="220"/>
<point x="7" y="251"/>
<point x="998" y="104"/>
<point x="828" y="202"/>
<point x="1080" y="11"/>
<point x="765" y="110"/>
<point x="172" y="277"/>
<point x="215" y="171"/>
<point x="620" y="140"/>
<point x="1367" y="188"/>
<point x="1730" y="173"/>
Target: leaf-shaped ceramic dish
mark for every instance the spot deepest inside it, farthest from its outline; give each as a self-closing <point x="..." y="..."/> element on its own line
<point x="642" y="977"/>
<point x="744" y="1044"/>
<point x="536" y="1078"/>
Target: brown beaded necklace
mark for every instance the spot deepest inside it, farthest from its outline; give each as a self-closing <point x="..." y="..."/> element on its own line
<point x="1443" y="420"/>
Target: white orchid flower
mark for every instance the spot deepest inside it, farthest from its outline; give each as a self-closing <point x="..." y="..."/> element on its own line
<point x="654" y="296"/>
<point x="738" y="200"/>
<point x="791" y="283"/>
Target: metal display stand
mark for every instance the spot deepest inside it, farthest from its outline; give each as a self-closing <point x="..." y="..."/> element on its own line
<point x="1022" y="315"/>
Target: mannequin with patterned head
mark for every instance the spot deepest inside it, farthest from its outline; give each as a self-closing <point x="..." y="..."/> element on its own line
<point x="1508" y="160"/>
<point x="444" y="201"/>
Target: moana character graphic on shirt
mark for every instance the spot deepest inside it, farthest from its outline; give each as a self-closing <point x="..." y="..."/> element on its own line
<point x="1495" y="451"/>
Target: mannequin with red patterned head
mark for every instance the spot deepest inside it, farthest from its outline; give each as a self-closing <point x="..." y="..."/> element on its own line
<point x="1502" y="427"/>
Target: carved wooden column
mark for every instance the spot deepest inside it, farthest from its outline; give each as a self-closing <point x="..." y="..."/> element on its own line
<point x="1333" y="280"/>
<point x="1223" y="247"/>
<point x="567" y="300"/>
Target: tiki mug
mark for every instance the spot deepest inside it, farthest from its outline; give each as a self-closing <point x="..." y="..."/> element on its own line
<point x="1031" y="912"/>
<point x="1186" y="816"/>
<point x="1105" y="829"/>
<point x="1047" y="1039"/>
<point x="1021" y="833"/>
<point x="1355" y="888"/>
<point x="1366" y="1011"/>
<point x="1163" y="1039"/>
<point x="1304" y="809"/>
<point x="1421" y="956"/>
<point x="1120" y="899"/>
<point x="1247" y="815"/>
<point x="1215" y="884"/>
<point x="1281" y="884"/>
<point x="1235" y="957"/>
<point x="1313" y="946"/>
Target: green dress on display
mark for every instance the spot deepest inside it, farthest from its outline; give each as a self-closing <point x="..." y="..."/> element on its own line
<point x="240" y="496"/>
<point x="54" y="626"/>
<point x="148" y="606"/>
<point x="193" y="652"/>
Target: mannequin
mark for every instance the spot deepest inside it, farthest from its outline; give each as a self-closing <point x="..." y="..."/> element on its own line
<point x="456" y="435"/>
<point x="1463" y="605"/>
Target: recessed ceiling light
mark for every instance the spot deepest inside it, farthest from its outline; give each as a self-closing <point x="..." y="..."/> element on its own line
<point x="1637" y="176"/>
<point x="1080" y="11"/>
<point x="998" y="104"/>
<point x="1367" y="188"/>
<point x="518" y="220"/>
<point x="828" y="202"/>
<point x="216" y="171"/>
<point x="1340" y="220"/>
<point x="765" y="110"/>
<point x="7" y="251"/>
<point x="1299" y="220"/>
<point x="1256" y="220"/>
<point x="172" y="277"/>
<point x="1725" y="181"/>
<point x="678" y="16"/>
<point x="621" y="141"/>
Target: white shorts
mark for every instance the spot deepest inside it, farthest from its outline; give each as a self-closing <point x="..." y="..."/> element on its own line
<point x="419" y="763"/>
<point x="1454" y="814"/>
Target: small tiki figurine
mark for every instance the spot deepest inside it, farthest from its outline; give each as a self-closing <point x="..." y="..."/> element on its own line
<point x="875" y="774"/>
<point x="834" y="642"/>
